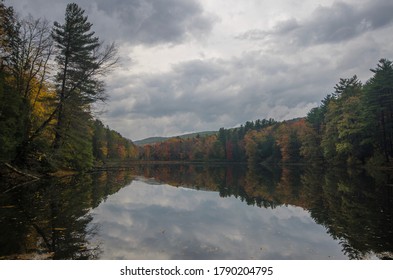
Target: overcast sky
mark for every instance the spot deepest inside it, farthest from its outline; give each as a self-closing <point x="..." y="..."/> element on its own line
<point x="194" y="65"/>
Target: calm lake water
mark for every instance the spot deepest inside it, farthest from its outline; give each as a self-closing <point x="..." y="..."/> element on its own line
<point x="201" y="212"/>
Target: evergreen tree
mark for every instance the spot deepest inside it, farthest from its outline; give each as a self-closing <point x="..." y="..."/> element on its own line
<point x="379" y="100"/>
<point x="9" y="35"/>
<point x="10" y="101"/>
<point x="81" y="63"/>
<point x="76" y="45"/>
<point x="345" y="124"/>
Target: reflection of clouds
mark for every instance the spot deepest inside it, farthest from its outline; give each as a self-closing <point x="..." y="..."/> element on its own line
<point x="144" y="221"/>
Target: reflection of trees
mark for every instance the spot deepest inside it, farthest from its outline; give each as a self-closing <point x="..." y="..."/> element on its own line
<point x="356" y="211"/>
<point x="195" y="176"/>
<point x="51" y="219"/>
<point x="355" y="208"/>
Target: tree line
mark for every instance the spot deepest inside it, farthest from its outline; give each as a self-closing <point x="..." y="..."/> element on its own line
<point x="352" y="126"/>
<point x="50" y="78"/>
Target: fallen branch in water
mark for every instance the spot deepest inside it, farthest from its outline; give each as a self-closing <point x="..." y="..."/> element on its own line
<point x="20" y="172"/>
<point x="20" y="185"/>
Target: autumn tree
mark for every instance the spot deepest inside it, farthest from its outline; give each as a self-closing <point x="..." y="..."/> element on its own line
<point x="26" y="48"/>
<point x="310" y="149"/>
<point x="315" y="126"/>
<point x="287" y="139"/>
<point x="346" y="125"/>
<point x="100" y="145"/>
<point x="30" y="70"/>
<point x="260" y="146"/>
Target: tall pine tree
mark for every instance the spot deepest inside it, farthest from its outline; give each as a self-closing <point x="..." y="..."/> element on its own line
<point x="379" y="100"/>
<point x="10" y="101"/>
<point x="81" y="64"/>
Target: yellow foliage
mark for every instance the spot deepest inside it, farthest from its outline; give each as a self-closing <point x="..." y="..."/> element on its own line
<point x="41" y="100"/>
<point x="42" y="105"/>
<point x="104" y="150"/>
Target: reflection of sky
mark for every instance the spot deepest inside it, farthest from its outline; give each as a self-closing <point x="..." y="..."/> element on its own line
<point x="144" y="221"/>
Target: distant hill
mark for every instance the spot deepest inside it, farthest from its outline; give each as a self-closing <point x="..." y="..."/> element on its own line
<point x="150" y="140"/>
<point x="154" y="140"/>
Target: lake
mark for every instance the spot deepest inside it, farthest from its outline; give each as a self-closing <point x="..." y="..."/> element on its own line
<point x="196" y="211"/>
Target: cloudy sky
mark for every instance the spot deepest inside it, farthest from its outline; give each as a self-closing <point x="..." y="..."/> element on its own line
<point x="194" y="65"/>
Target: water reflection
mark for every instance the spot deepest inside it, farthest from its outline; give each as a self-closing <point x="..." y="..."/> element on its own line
<point x="201" y="212"/>
<point x="50" y="219"/>
<point x="162" y="222"/>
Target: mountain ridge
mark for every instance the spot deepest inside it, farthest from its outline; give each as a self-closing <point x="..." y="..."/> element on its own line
<point x="159" y="139"/>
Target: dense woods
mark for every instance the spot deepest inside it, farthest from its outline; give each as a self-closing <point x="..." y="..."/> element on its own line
<point x="52" y="75"/>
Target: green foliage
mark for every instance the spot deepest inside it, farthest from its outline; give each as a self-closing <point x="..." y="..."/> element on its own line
<point x="10" y="101"/>
<point x="344" y="125"/>
<point x="49" y="126"/>
<point x="76" y="86"/>
<point x="260" y="146"/>
<point x="81" y="63"/>
<point x="349" y="120"/>
<point x="316" y="116"/>
<point x="76" y="151"/>
<point x="379" y="106"/>
<point x="10" y="121"/>
<point x="8" y="34"/>
<point x="110" y="145"/>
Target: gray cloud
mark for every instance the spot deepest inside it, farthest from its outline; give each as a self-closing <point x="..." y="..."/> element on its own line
<point x="213" y="93"/>
<point x="155" y="22"/>
<point x="146" y="22"/>
<point x="209" y="94"/>
<point x="337" y="23"/>
<point x="280" y="72"/>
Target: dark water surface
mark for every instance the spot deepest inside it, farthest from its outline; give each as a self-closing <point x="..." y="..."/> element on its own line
<point x="201" y="212"/>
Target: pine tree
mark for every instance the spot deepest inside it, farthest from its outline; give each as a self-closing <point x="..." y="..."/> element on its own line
<point x="76" y="45"/>
<point x="10" y="101"/>
<point x="81" y="64"/>
<point x="379" y="100"/>
<point x="345" y="124"/>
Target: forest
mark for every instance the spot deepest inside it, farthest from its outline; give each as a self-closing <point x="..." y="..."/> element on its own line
<point x="52" y="77"/>
<point x="352" y="126"/>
